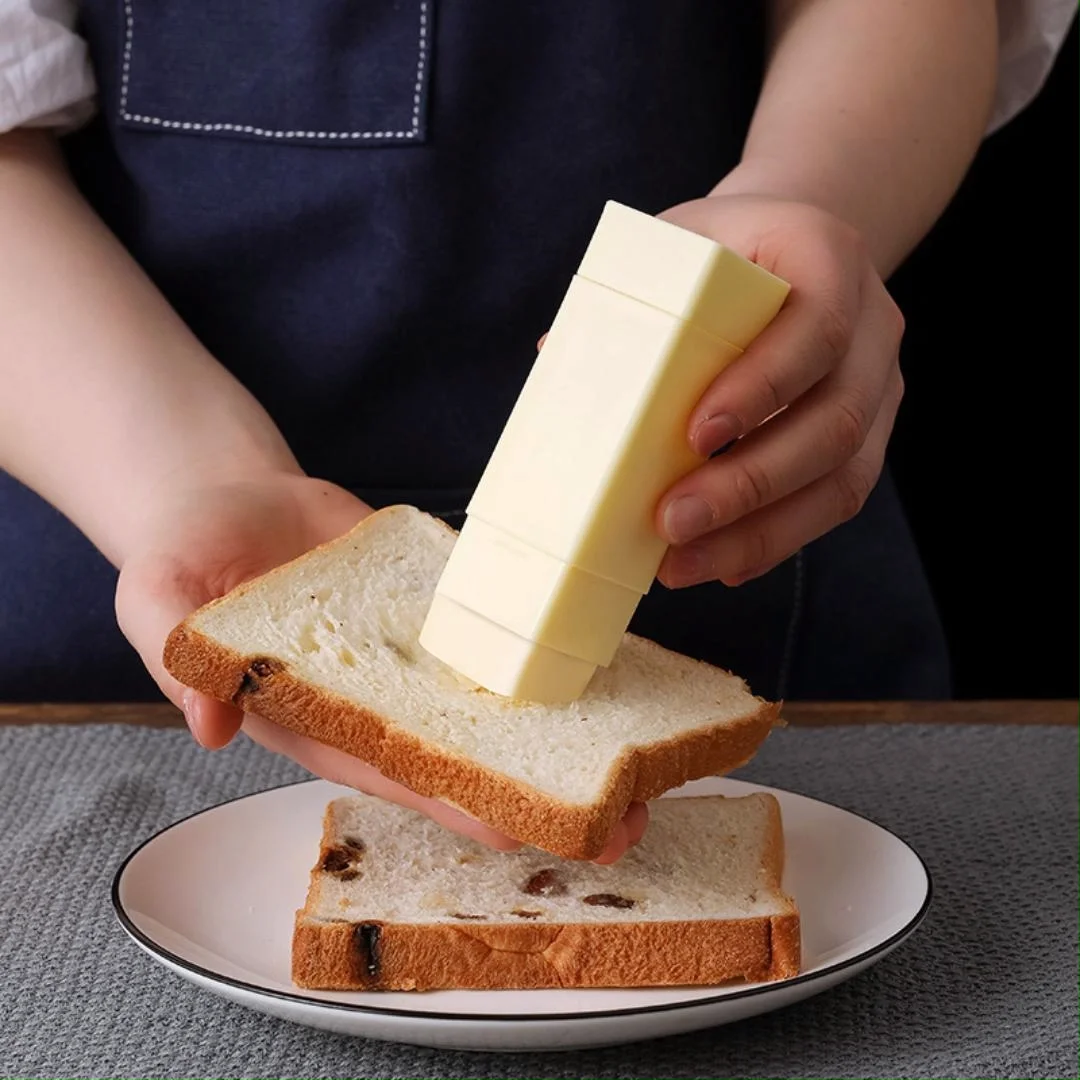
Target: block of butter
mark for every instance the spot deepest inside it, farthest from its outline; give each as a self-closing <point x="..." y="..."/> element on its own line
<point x="538" y="597"/>
<point x="500" y="660"/>
<point x="560" y="542"/>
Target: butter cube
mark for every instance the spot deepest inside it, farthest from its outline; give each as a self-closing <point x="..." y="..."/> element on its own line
<point x="682" y="273"/>
<point x="535" y="595"/>
<point x="500" y="660"/>
<point x="560" y="542"/>
<point x="599" y="433"/>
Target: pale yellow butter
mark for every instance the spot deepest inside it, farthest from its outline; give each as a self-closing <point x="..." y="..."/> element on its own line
<point x="599" y="433"/>
<point x="499" y="660"/>
<point x="535" y="595"/>
<point x="561" y="541"/>
<point x="682" y="273"/>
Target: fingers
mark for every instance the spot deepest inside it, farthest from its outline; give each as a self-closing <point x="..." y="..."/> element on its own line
<point x="802" y="346"/>
<point x="212" y="723"/>
<point x="152" y="597"/>
<point x="805" y="342"/>
<point x="342" y="768"/>
<point x="756" y="543"/>
<point x="822" y="431"/>
<point x="628" y="834"/>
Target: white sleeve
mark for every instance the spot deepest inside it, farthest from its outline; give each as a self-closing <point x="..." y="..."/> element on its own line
<point x="45" y="75"/>
<point x="1030" y="35"/>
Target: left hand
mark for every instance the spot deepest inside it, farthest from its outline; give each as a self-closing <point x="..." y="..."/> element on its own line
<point x="825" y="376"/>
<point x="207" y="536"/>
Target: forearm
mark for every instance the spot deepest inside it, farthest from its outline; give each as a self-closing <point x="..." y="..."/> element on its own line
<point x="108" y="400"/>
<point x="873" y="111"/>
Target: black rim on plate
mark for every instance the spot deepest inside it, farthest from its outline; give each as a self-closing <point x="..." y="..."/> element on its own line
<point x="756" y="990"/>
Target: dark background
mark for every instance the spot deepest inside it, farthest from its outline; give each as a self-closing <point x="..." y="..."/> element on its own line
<point x="985" y="450"/>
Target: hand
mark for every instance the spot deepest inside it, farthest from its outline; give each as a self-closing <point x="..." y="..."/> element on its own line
<point x="210" y="539"/>
<point x="808" y="409"/>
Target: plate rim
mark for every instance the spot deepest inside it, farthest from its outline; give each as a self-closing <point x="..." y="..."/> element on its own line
<point x="158" y="950"/>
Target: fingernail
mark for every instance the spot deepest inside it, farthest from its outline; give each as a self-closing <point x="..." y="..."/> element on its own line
<point x="715" y="432"/>
<point x="687" y="517"/>
<point x="188" y="707"/>
<point x="687" y="566"/>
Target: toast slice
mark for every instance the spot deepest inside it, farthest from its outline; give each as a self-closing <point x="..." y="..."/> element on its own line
<point x="396" y="903"/>
<point x="327" y="646"/>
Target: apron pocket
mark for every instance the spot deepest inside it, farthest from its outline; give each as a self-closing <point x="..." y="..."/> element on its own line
<point x="325" y="73"/>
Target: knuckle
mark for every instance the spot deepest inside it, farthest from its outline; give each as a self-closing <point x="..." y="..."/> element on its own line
<point x="771" y="397"/>
<point x="834" y="328"/>
<point x="896" y="318"/>
<point x="843" y="237"/>
<point x="751" y="487"/>
<point x="755" y="552"/>
<point x="851" y="238"/>
<point x="848" y="426"/>
<point x="120" y="603"/>
<point x="853" y="484"/>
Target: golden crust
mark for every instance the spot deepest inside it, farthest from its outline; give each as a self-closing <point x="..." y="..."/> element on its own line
<point x="472" y="956"/>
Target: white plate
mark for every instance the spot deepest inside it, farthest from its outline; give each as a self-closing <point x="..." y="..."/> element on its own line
<point x="213" y="898"/>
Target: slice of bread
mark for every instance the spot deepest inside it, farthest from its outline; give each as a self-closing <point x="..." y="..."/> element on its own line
<point x="396" y="903"/>
<point x="327" y="646"/>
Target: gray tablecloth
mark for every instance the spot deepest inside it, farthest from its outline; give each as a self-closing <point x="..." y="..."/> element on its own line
<point x="987" y="987"/>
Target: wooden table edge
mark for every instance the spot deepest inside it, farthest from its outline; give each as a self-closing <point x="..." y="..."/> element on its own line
<point x="1058" y="713"/>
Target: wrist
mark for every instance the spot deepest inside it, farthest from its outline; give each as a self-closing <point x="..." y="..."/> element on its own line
<point x="811" y="184"/>
<point x="223" y="448"/>
<point x="771" y="178"/>
<point x="170" y="500"/>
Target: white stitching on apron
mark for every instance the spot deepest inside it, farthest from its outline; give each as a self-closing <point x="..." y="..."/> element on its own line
<point x="792" y="627"/>
<point x="248" y="129"/>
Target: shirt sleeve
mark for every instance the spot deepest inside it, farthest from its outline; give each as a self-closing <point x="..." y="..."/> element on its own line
<point x="1030" y="35"/>
<point x="45" y="76"/>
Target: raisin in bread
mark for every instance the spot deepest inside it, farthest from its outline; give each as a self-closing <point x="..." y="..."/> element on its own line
<point x="327" y="645"/>
<point x="397" y="903"/>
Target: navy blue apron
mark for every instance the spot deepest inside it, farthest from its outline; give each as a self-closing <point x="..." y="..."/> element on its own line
<point x="369" y="212"/>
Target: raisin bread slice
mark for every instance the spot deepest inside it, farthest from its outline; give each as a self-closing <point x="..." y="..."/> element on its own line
<point x="397" y="903"/>
<point x="328" y="646"/>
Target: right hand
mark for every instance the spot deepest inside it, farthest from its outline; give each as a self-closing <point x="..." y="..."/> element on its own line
<point x="209" y="539"/>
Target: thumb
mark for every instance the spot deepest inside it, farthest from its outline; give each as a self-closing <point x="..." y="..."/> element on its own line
<point x="154" y="595"/>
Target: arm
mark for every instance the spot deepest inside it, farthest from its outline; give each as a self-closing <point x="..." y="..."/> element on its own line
<point x="109" y="400"/>
<point x="870" y="113"/>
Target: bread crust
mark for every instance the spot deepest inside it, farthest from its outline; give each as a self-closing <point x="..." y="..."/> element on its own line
<point x="470" y="955"/>
<point x="265" y="686"/>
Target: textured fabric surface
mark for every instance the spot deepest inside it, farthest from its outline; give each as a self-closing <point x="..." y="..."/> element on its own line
<point x="47" y="82"/>
<point x="986" y="988"/>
